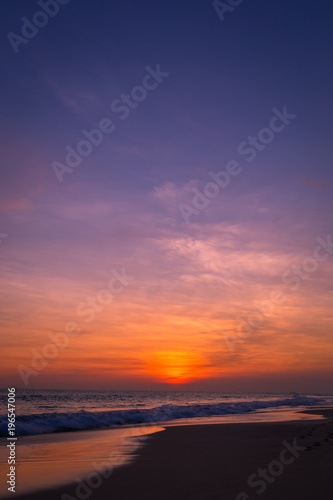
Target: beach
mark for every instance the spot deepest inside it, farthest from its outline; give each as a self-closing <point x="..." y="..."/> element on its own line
<point x="166" y="250"/>
<point x="273" y="460"/>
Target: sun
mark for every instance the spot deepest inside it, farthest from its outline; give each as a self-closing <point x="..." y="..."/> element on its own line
<point x="175" y="367"/>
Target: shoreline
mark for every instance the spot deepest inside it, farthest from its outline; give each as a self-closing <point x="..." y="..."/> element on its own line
<point x="215" y="461"/>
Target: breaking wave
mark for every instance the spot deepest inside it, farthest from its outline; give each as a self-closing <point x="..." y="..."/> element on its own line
<point x="61" y="422"/>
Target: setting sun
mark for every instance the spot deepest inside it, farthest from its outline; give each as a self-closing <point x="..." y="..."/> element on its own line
<point x="175" y="367"/>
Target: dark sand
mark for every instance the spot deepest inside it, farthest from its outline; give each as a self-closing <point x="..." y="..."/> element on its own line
<point x="213" y="462"/>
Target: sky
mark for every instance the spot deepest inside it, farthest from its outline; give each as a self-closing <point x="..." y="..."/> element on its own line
<point x="166" y="195"/>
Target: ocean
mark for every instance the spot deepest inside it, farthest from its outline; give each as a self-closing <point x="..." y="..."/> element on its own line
<point x="50" y="411"/>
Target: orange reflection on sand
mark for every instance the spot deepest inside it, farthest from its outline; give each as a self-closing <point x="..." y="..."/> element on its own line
<point x="50" y="460"/>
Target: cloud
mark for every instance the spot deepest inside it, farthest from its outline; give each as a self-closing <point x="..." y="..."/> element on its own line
<point x="318" y="184"/>
<point x="15" y="203"/>
<point x="84" y="211"/>
<point x="78" y="100"/>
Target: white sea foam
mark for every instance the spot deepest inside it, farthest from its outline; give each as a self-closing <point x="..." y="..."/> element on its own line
<point x="31" y="424"/>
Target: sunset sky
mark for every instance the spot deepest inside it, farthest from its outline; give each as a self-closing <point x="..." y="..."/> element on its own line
<point x="120" y="211"/>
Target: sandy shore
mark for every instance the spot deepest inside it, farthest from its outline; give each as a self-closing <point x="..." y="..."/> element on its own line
<point x="215" y="462"/>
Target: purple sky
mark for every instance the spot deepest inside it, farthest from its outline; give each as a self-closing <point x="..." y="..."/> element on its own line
<point x="120" y="207"/>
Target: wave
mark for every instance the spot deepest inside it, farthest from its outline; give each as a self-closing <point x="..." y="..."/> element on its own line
<point x="61" y="422"/>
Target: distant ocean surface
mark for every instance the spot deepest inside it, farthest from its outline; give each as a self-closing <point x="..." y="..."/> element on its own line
<point x="47" y="411"/>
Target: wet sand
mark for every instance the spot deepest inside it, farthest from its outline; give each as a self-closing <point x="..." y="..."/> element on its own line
<point x="215" y="462"/>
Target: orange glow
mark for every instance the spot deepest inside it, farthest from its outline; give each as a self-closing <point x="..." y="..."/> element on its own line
<point x="175" y="367"/>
